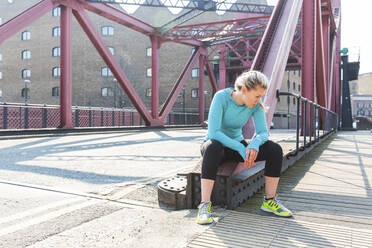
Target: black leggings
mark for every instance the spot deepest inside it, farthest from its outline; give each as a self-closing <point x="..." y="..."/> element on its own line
<point x="214" y="154"/>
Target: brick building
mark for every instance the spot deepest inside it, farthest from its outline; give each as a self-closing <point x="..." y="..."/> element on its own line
<point x="29" y="62"/>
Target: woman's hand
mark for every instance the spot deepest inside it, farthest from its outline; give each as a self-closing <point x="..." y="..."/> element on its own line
<point x="250" y="157"/>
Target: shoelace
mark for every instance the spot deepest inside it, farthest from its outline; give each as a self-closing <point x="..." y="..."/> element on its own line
<point x="204" y="209"/>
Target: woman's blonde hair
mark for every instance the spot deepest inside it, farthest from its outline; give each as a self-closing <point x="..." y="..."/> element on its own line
<point x="252" y="80"/>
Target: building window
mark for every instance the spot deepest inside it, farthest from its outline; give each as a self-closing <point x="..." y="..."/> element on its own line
<point x="26" y="35"/>
<point x="288" y="84"/>
<point x="148" y="92"/>
<point x="195" y="73"/>
<point x="56" y="52"/>
<point x="195" y="93"/>
<point x="294" y="101"/>
<point x="55" y="91"/>
<point x="148" y="72"/>
<point x="294" y="86"/>
<point x="112" y="50"/>
<point x="1" y="75"/>
<point x="105" y="72"/>
<point x="288" y="100"/>
<point x="56" y="72"/>
<point x="56" y="32"/>
<point x="107" y="92"/>
<point x="148" y="52"/>
<point x="56" y="12"/>
<point x="279" y="99"/>
<point x="1" y="93"/>
<point x="107" y="31"/>
<point x="294" y="72"/>
<point x="26" y="73"/>
<point x="25" y="93"/>
<point x="26" y="54"/>
<point x="299" y="87"/>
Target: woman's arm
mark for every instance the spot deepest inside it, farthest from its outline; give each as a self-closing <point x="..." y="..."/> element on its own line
<point x="262" y="134"/>
<point x="214" y="125"/>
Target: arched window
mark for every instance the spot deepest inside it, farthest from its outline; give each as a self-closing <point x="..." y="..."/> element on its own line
<point x="26" y="35"/>
<point x="56" y="32"/>
<point x="26" y="54"/>
<point x="105" y="72"/>
<point x="26" y="73"/>
<point x="56" y="12"/>
<point x="112" y="50"/>
<point x="56" y="52"/>
<point x="107" y="31"/>
<point x="25" y="93"/>
<point x="107" y="92"/>
<point x="55" y="91"/>
<point x="56" y="72"/>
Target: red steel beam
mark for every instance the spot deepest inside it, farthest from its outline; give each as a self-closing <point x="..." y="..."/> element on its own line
<point x="252" y="25"/>
<point x="308" y="49"/>
<point x="24" y="19"/>
<point x="114" y="66"/>
<point x="201" y="88"/>
<point x="321" y="79"/>
<point x="272" y="55"/>
<point x="172" y="97"/>
<point x="212" y="79"/>
<point x="155" y="46"/>
<point x="118" y="16"/>
<point x="66" y="68"/>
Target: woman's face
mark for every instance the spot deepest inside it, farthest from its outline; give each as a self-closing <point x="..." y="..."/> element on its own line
<point x="252" y="97"/>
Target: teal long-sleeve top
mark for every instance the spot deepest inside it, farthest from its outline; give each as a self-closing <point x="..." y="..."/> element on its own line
<point x="227" y="118"/>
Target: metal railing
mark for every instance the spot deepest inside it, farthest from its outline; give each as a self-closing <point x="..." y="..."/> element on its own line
<point x="317" y="123"/>
<point x="33" y="116"/>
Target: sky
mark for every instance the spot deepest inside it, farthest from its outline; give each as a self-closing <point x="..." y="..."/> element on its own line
<point x="356" y="32"/>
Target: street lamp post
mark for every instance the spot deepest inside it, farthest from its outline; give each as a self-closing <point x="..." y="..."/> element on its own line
<point x="205" y="103"/>
<point x="115" y="89"/>
<point x="27" y="81"/>
<point x="183" y="104"/>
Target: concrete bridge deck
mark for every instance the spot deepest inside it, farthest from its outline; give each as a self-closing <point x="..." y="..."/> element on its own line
<point x="99" y="190"/>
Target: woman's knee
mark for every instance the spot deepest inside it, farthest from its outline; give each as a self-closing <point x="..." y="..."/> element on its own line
<point x="274" y="148"/>
<point x="212" y="147"/>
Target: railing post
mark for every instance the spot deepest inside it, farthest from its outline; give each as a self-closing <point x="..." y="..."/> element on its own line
<point x="101" y="117"/>
<point x="26" y="117"/>
<point x="298" y="124"/>
<point x="90" y="118"/>
<point x="317" y="120"/>
<point x="44" y="117"/>
<point x="305" y="120"/>
<point x="113" y="118"/>
<point x="123" y="119"/>
<point x="5" y="120"/>
<point x="311" y="121"/>
<point x="77" y="117"/>
<point x="132" y="119"/>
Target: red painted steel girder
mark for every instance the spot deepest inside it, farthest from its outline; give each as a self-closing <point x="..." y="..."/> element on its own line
<point x="24" y="19"/>
<point x="252" y="25"/>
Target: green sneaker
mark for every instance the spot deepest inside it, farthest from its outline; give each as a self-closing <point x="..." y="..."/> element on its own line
<point x="205" y="213"/>
<point x="274" y="206"/>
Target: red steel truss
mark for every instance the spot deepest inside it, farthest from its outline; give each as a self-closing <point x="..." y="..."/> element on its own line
<point x="266" y="43"/>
